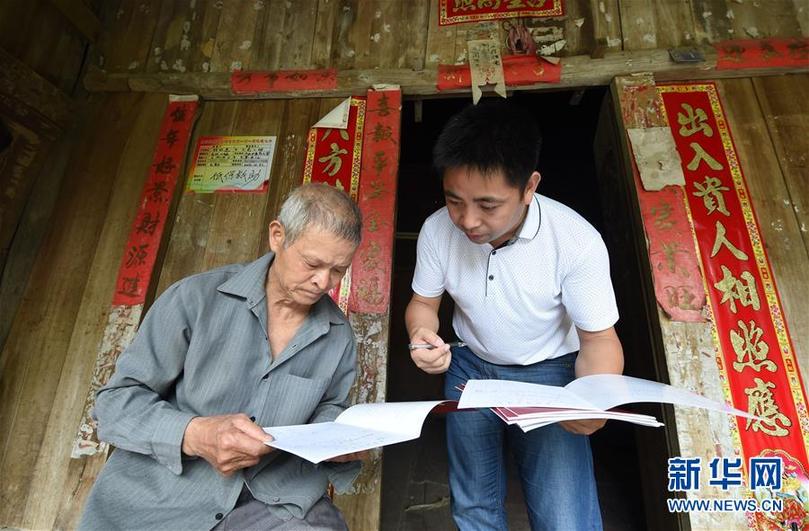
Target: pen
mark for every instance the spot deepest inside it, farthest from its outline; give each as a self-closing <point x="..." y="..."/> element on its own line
<point x="414" y="346"/>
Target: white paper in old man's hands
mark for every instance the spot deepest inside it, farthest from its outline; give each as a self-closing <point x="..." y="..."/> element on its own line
<point x="358" y="428"/>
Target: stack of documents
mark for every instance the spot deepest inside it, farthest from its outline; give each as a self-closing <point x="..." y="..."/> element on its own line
<point x="530" y="418"/>
<point x="527" y="405"/>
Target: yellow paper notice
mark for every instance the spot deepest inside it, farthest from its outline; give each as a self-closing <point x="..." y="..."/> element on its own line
<point x="231" y="164"/>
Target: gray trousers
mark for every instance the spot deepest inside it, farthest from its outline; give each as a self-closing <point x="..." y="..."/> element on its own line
<point x="253" y="515"/>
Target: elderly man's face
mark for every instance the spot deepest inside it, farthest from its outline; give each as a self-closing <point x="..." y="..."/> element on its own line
<point x="312" y="265"/>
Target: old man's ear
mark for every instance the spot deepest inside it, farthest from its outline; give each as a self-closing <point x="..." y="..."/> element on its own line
<point x="277" y="235"/>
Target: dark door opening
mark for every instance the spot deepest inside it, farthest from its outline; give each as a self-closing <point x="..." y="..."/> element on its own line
<point x="415" y="495"/>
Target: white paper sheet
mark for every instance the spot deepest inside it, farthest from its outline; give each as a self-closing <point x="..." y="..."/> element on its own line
<point x="607" y="391"/>
<point x="595" y="392"/>
<point x="358" y="428"/>
<point x="505" y="393"/>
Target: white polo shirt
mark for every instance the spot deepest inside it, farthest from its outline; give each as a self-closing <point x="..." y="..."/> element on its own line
<point x="520" y="304"/>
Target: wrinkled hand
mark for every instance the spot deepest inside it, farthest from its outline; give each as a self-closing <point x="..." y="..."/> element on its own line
<point x="432" y="361"/>
<point x="583" y="427"/>
<point x="353" y="456"/>
<point x="228" y="442"/>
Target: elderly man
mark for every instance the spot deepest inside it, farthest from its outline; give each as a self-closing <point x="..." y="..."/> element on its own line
<point x="218" y="355"/>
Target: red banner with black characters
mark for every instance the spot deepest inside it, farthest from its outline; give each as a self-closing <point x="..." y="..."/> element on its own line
<point x="334" y="156"/>
<point x="460" y="11"/>
<point x="371" y="275"/>
<point x="517" y="70"/>
<point x="762" y="53"/>
<point x="251" y="83"/>
<point x="755" y="353"/>
<point x="138" y="260"/>
<point x="147" y="229"/>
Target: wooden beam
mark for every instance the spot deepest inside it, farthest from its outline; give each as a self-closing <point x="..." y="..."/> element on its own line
<point x="578" y="71"/>
<point x="82" y="17"/>
<point x="31" y="99"/>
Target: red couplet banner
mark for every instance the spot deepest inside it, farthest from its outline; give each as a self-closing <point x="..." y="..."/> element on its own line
<point x="755" y="353"/>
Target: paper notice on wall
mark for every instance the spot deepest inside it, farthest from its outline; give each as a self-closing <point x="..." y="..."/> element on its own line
<point x="486" y="67"/>
<point x="657" y="158"/>
<point x="232" y="164"/>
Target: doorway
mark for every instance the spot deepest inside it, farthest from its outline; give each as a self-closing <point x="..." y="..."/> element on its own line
<point x="415" y="494"/>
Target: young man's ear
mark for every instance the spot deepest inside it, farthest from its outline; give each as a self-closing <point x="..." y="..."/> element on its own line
<point x="531" y="187"/>
<point x="277" y="236"/>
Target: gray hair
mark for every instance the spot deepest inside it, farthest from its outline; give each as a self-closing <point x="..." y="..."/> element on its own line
<point x="320" y="206"/>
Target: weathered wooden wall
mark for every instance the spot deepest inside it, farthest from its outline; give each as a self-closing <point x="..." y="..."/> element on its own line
<point x="42" y="52"/>
<point x="223" y="35"/>
<point x="765" y="115"/>
<point x="46" y="362"/>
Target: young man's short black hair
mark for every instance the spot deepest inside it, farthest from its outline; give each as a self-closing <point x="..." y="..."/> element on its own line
<point x="489" y="137"/>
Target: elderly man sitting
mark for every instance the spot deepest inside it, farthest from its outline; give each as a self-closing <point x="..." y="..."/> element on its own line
<point x="218" y="355"/>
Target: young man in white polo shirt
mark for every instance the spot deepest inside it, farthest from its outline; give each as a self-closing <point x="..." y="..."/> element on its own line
<point x="533" y="302"/>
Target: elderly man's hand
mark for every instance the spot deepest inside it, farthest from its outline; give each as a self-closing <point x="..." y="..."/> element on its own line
<point x="227" y="442"/>
<point x="431" y="360"/>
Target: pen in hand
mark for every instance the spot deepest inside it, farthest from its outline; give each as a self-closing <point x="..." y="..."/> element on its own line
<point x="414" y="346"/>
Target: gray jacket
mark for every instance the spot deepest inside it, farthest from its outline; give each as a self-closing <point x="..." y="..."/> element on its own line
<point x="203" y="350"/>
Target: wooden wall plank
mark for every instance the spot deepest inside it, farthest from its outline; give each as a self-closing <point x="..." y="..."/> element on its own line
<point x="21" y="162"/>
<point x="287" y="171"/>
<point x="34" y="354"/>
<point x="176" y="35"/>
<point x="284" y="35"/>
<point x="758" y="20"/>
<point x="234" y="37"/>
<point x="50" y="472"/>
<point x="237" y="222"/>
<point x="126" y="43"/>
<point x="770" y="127"/>
<point x="38" y="34"/>
<point x="325" y="30"/>
<point x="32" y="226"/>
<point x="80" y="16"/>
<point x="440" y="40"/>
<point x="412" y="36"/>
<point x="651" y="24"/>
<point x="605" y="24"/>
<point x="203" y="40"/>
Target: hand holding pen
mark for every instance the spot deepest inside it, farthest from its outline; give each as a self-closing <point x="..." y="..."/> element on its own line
<point x="429" y="352"/>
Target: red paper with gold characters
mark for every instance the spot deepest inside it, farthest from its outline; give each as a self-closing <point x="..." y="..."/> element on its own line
<point x="282" y="81"/>
<point x="755" y="353"/>
<point x="517" y="70"/>
<point x="147" y="229"/>
<point x="334" y="156"/>
<point x="762" y="53"/>
<point x="370" y="291"/>
<point x="460" y="11"/>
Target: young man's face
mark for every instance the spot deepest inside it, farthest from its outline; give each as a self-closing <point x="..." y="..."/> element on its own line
<point x="486" y="207"/>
